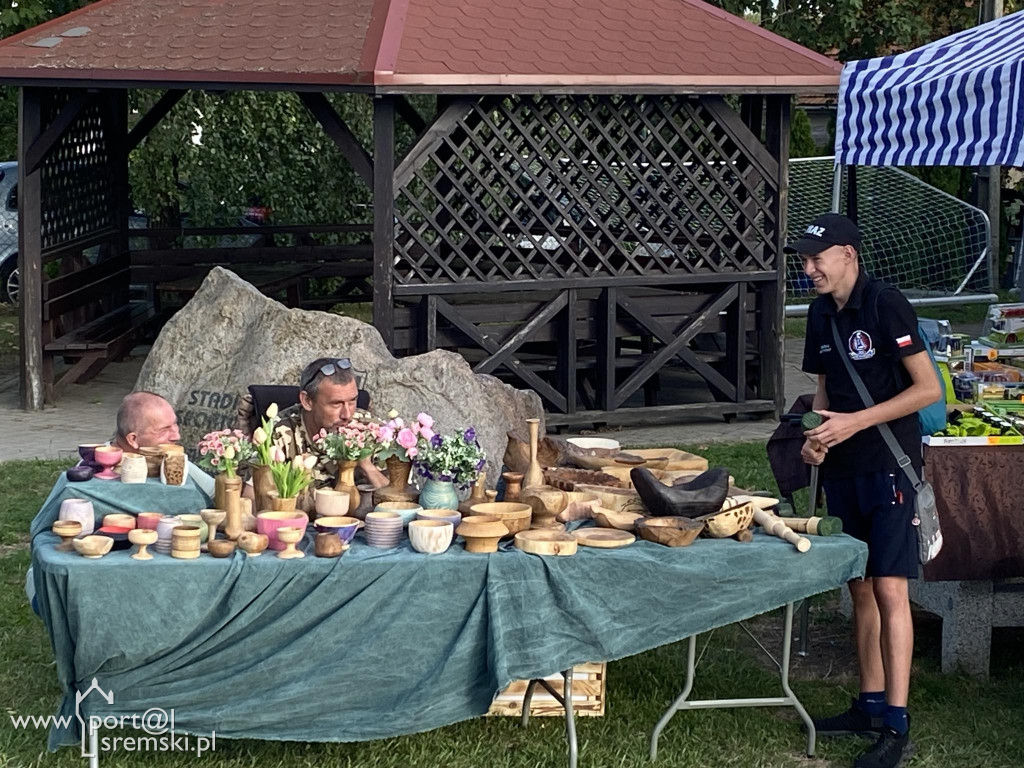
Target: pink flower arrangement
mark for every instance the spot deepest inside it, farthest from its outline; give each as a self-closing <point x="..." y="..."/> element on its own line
<point x="224" y="450"/>
<point x="405" y="439"/>
<point x="351" y="442"/>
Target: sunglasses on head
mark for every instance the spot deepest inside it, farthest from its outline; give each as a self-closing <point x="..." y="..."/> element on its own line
<point x="327" y="369"/>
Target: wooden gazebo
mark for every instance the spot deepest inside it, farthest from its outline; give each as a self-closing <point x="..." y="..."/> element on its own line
<point x="596" y="208"/>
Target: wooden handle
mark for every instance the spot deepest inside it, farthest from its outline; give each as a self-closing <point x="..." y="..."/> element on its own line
<point x="776" y="527"/>
<point x="816" y="526"/>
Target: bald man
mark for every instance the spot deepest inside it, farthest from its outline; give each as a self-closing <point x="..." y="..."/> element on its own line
<point x="145" y="420"/>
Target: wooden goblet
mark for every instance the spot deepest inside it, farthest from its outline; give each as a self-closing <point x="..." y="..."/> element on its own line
<point x="290" y="535"/>
<point x="67" y="530"/>
<point x="142" y="537"/>
<point x="212" y="518"/>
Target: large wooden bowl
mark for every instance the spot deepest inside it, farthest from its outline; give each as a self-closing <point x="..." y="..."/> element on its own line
<point x="514" y="515"/>
<point x="624" y="521"/>
<point x="546" y="502"/>
<point x="728" y="522"/>
<point x="616" y="499"/>
<point x="670" y="531"/>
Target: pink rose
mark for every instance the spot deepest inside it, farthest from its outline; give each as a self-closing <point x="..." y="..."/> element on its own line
<point x="387" y="434"/>
<point x="426" y="420"/>
<point x="426" y="433"/>
<point x="406" y="439"/>
<point x="411" y="452"/>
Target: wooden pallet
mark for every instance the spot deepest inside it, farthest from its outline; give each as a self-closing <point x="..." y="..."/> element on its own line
<point x="588" y="695"/>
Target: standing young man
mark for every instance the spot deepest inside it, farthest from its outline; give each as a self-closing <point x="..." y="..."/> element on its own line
<point x="863" y="483"/>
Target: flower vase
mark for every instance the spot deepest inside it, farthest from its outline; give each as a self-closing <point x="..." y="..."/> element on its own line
<point x="398" y="488"/>
<point x="477" y="496"/>
<point x="262" y="485"/>
<point x="346" y="482"/>
<point x="232" y="505"/>
<point x="534" y="474"/>
<point x="439" y="494"/>
<point x="277" y="504"/>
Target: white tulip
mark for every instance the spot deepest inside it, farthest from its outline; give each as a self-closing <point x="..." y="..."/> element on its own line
<point x="272" y="411"/>
<point x="259" y="436"/>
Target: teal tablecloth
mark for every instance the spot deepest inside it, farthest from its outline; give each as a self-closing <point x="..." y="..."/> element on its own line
<point x="385" y="642"/>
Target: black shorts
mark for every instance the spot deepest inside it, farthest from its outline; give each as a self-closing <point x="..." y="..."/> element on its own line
<point x="878" y="509"/>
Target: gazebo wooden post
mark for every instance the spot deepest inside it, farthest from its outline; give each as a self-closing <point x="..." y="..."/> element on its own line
<point x="384" y="217"/>
<point x="30" y="309"/>
<point x="773" y="305"/>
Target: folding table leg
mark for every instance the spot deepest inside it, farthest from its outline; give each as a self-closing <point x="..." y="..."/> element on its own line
<point x="565" y="699"/>
<point x="789" y="700"/>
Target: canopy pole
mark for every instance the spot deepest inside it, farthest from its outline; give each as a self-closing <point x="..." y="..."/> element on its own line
<point x="837" y="186"/>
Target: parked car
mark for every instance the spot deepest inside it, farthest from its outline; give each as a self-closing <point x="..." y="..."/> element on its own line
<point x="9" y="232"/>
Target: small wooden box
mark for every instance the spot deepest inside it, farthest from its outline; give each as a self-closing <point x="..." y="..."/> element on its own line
<point x="588" y="695"/>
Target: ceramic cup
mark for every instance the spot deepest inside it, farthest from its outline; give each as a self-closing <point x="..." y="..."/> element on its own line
<point x="148" y="520"/>
<point x="432" y="537"/>
<point x="406" y="509"/>
<point x="444" y="515"/>
<point x="198" y="522"/>
<point x="133" y="468"/>
<point x="80" y="510"/>
<point x="383" y="529"/>
<point x="344" y="527"/>
<point x="164" y="529"/>
<point x="87" y="452"/>
<point x="108" y="457"/>
<point x="267" y="523"/>
<point x="331" y="503"/>
<point x="120" y="520"/>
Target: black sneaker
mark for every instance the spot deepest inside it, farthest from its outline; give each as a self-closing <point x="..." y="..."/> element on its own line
<point x="890" y="751"/>
<point x="853" y="722"/>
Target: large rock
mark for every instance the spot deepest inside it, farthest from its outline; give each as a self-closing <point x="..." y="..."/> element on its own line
<point x="230" y="336"/>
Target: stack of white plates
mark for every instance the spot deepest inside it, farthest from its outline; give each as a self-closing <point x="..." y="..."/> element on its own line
<point x="384" y="529"/>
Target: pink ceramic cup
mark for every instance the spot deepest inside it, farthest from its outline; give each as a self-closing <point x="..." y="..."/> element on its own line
<point x="267" y="523"/>
<point x="148" y="520"/>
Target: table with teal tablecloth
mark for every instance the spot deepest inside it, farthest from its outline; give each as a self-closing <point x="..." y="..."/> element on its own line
<point x="380" y="643"/>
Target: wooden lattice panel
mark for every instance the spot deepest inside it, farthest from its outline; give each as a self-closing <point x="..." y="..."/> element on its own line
<point x="588" y="694"/>
<point x="77" y="176"/>
<point x="565" y="187"/>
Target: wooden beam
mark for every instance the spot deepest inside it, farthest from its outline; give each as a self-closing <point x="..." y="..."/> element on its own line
<point x="773" y="298"/>
<point x="30" y="309"/>
<point x="410" y="114"/>
<point x="153" y="117"/>
<point x="501" y="355"/>
<point x="342" y="135"/>
<point x="45" y="141"/>
<point x="432" y="138"/>
<point x="384" y="218"/>
<point x="606" y="319"/>
<point x="663" y="414"/>
<point x="567" y="350"/>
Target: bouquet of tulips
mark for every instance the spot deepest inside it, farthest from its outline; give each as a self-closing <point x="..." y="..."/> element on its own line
<point x="224" y="450"/>
<point x="263" y="437"/>
<point x="456" y="457"/>
<point x="291" y="477"/>
<point x="350" y="442"/>
<point x="405" y="439"/>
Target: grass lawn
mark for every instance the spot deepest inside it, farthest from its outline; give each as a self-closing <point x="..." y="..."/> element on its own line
<point x="958" y="722"/>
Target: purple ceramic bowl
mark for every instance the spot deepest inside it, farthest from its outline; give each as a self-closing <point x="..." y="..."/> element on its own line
<point x="80" y="474"/>
<point x="88" y="452"/>
<point x="345" y="527"/>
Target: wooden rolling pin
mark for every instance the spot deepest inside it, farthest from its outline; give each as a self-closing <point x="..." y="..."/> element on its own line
<point x="816" y="526"/>
<point x="776" y="527"/>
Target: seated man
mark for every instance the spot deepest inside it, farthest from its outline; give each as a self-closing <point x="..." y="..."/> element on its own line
<point x="327" y="399"/>
<point x="145" y="420"/>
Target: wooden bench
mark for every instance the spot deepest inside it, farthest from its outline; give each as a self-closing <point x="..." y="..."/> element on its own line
<point x="88" y="318"/>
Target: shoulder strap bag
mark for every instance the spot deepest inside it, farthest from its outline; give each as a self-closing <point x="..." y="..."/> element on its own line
<point x="926" y="516"/>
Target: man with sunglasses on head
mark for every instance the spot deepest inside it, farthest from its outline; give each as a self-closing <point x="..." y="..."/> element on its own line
<point x="328" y="396"/>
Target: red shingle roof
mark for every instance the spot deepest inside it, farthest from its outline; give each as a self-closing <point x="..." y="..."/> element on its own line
<point x="404" y="44"/>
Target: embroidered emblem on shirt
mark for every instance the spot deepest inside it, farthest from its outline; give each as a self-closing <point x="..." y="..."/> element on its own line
<point x="824" y="348"/>
<point x="904" y="341"/>
<point x="861" y="346"/>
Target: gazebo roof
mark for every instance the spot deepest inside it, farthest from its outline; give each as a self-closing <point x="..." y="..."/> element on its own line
<point x="404" y="45"/>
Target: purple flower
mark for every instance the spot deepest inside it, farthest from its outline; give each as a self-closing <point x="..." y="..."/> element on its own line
<point x="436" y="441"/>
<point x="480" y="464"/>
<point x="470" y="435"/>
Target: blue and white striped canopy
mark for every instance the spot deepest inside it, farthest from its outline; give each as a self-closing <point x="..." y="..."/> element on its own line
<point x="957" y="101"/>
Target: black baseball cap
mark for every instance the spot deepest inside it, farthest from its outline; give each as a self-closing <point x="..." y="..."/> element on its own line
<point x="825" y="231"/>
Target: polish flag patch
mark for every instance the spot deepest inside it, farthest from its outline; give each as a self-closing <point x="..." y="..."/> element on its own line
<point x="904" y="341"/>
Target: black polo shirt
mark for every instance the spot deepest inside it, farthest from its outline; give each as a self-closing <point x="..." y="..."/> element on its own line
<point x="878" y="328"/>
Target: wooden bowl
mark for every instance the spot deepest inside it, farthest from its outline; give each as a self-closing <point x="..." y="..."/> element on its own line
<point x="546" y="502"/>
<point x="624" y="521"/>
<point x="221" y="547"/>
<point x="481" y="532"/>
<point x="616" y="499"/>
<point x="514" y="515"/>
<point x="92" y="547"/>
<point x="253" y="544"/>
<point x="119" y="520"/>
<point x="547" y="542"/>
<point x="431" y="537"/>
<point x="728" y="522"/>
<point x="670" y="531"/>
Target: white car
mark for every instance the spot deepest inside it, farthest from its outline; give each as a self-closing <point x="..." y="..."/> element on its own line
<point x="9" y="232"/>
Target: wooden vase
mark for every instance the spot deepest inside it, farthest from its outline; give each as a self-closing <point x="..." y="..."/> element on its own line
<point x="513" y="485"/>
<point x="277" y="504"/>
<point x="478" y="495"/>
<point x="534" y="474"/>
<point x="347" y="482"/>
<point x="262" y="486"/>
<point x="219" y="499"/>
<point x="233" y="506"/>
<point x="398" y="488"/>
